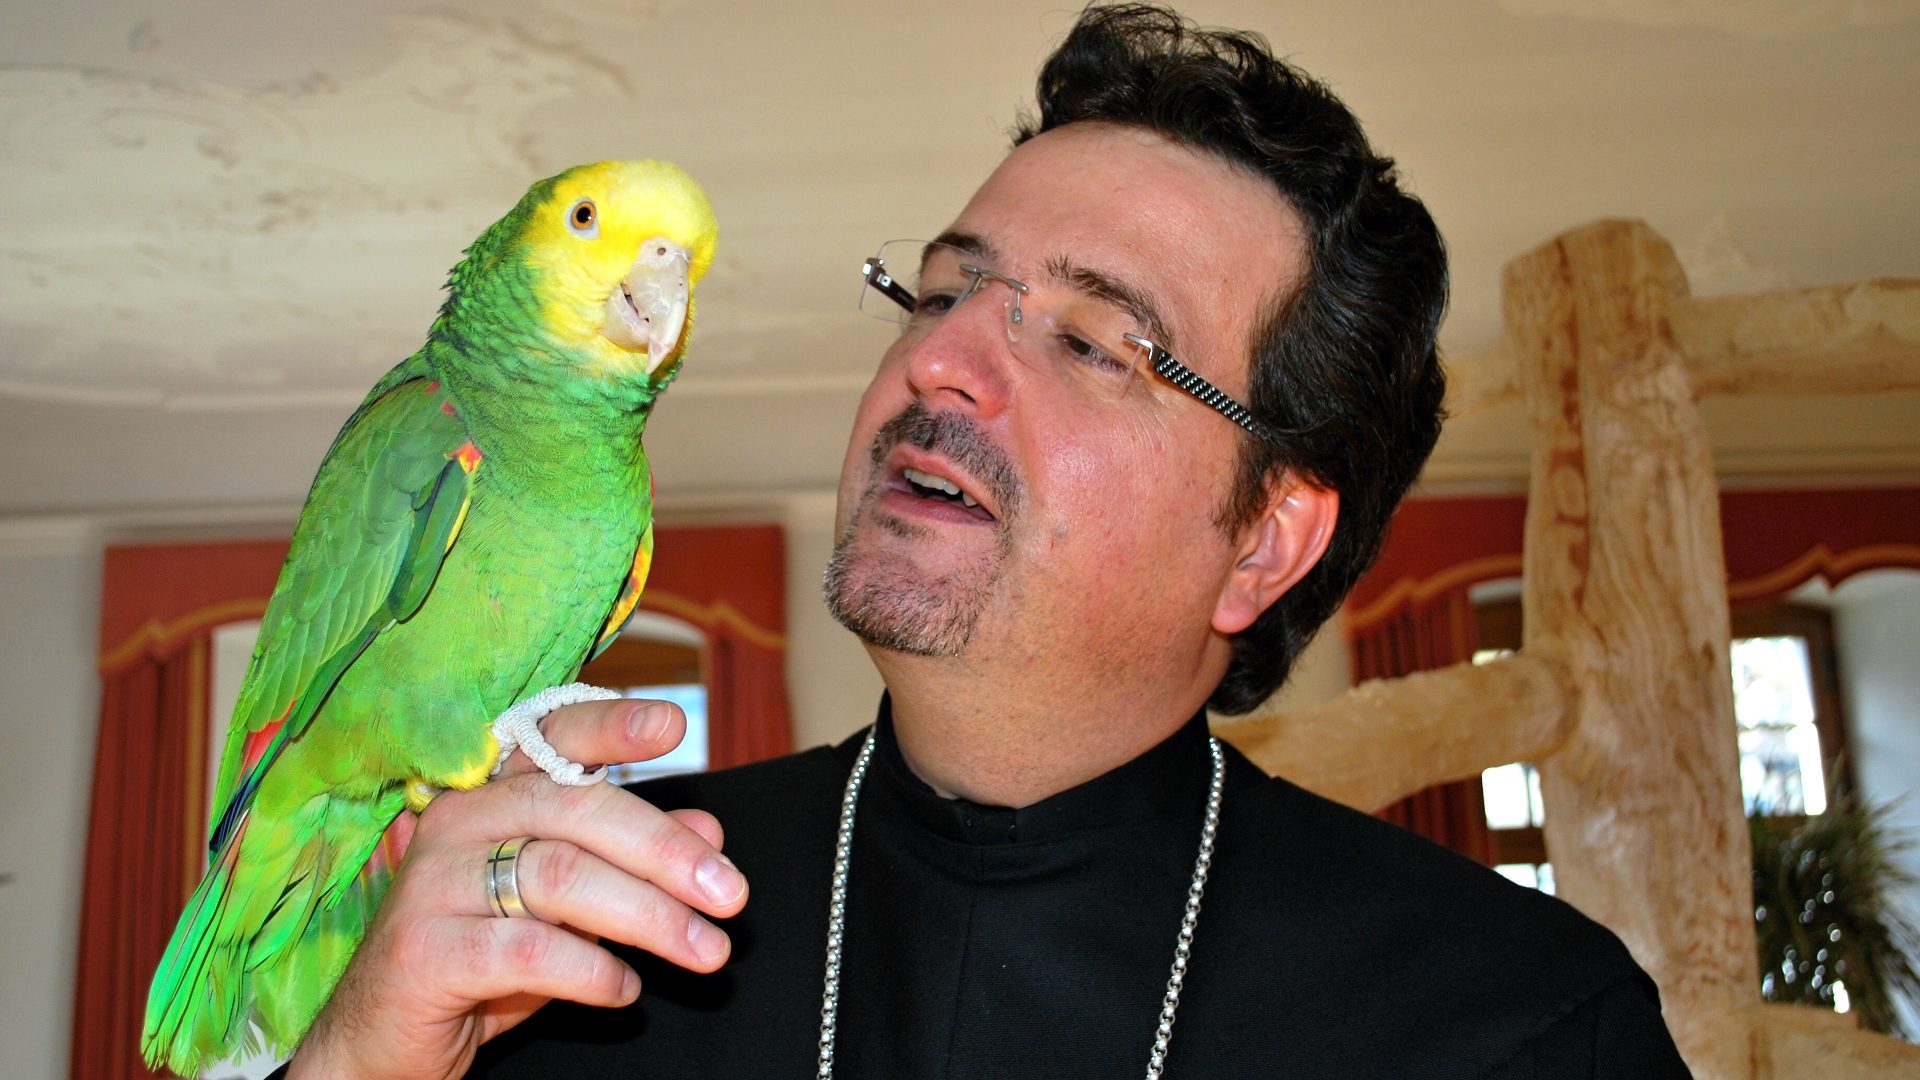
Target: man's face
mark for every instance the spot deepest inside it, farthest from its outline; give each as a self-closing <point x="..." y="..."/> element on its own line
<point x="1094" y="535"/>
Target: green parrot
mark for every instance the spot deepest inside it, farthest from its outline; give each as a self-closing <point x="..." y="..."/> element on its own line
<point x="481" y="526"/>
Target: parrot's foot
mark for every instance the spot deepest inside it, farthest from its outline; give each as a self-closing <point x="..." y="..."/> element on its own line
<point x="519" y="727"/>
<point x="420" y="793"/>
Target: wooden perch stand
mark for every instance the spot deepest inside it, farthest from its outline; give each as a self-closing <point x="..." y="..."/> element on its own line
<point x="1621" y="693"/>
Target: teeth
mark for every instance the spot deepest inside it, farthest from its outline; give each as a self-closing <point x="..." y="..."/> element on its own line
<point x="928" y="480"/>
<point x="939" y="483"/>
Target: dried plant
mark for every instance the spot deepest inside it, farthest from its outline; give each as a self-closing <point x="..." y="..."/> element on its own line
<point x="1823" y="890"/>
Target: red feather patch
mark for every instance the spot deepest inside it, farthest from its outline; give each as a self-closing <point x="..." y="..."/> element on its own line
<point x="256" y="745"/>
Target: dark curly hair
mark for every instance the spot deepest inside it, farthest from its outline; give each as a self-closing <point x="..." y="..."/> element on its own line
<point x="1346" y="364"/>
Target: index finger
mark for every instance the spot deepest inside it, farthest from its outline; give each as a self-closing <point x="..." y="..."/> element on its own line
<point x="596" y="733"/>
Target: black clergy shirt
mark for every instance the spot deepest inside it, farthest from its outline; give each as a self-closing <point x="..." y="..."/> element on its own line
<point x="993" y="944"/>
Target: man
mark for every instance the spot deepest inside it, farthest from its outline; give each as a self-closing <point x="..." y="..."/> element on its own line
<point x="1160" y="385"/>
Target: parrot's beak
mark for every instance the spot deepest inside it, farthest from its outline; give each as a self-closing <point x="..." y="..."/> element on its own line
<point x="648" y="309"/>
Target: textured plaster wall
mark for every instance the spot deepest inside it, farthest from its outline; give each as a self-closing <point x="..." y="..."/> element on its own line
<point x="49" y="600"/>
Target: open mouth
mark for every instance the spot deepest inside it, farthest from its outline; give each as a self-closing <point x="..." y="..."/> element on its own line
<point x="938" y="489"/>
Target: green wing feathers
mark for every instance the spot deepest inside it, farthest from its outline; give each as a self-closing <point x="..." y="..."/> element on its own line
<point x="291" y="887"/>
<point x="348" y="548"/>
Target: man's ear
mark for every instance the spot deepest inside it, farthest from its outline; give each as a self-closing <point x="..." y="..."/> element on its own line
<point x="1276" y="550"/>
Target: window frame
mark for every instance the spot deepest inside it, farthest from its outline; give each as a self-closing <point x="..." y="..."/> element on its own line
<point x="1784" y="618"/>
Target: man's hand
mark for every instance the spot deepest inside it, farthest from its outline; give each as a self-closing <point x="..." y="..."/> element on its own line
<point x="439" y="973"/>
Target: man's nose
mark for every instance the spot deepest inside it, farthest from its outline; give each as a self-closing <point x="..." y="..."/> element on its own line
<point x="966" y="357"/>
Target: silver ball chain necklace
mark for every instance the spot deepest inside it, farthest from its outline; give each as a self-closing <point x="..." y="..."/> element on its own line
<point x="1182" y="949"/>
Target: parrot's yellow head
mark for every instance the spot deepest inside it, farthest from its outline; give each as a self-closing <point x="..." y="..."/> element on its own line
<point x="612" y="252"/>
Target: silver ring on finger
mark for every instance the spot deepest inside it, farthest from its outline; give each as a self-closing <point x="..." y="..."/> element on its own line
<point x="503" y="879"/>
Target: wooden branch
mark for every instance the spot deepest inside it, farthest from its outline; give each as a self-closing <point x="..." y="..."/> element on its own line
<point x="1837" y="339"/>
<point x="1792" y="1041"/>
<point x="1386" y="739"/>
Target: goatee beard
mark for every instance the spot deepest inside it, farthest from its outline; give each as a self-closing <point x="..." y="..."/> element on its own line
<point x="889" y="603"/>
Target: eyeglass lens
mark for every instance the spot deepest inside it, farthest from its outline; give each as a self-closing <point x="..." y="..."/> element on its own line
<point x="1053" y="328"/>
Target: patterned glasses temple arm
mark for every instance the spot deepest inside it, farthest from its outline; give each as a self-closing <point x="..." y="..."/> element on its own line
<point x="1208" y="394"/>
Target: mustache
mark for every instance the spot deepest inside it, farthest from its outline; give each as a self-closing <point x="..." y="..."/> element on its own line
<point x="958" y="439"/>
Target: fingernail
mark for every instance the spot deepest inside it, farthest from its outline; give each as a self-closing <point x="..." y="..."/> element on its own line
<point x="719" y="880"/>
<point x="629" y="985"/>
<point x="709" y="941"/>
<point x="647" y="724"/>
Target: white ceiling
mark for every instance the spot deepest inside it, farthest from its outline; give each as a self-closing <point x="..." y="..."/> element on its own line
<point x="223" y="220"/>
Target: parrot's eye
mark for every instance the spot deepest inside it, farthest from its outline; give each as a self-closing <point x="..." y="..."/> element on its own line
<point x="582" y="219"/>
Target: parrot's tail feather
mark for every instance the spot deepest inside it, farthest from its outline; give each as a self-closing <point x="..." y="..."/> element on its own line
<point x="290" y="991"/>
<point x="187" y="1030"/>
<point x="268" y="932"/>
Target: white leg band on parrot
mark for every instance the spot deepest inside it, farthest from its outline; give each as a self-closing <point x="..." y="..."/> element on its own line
<point x="519" y="728"/>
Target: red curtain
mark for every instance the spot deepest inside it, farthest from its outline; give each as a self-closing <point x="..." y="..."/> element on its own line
<point x="161" y="605"/>
<point x="147" y="820"/>
<point x="730" y="581"/>
<point x="142" y="788"/>
<point x="1421" y="637"/>
<point x="1434" y="547"/>
<point x="1777" y="540"/>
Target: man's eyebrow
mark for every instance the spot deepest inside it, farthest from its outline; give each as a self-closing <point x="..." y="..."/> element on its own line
<point x="973" y="245"/>
<point x="1104" y="286"/>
